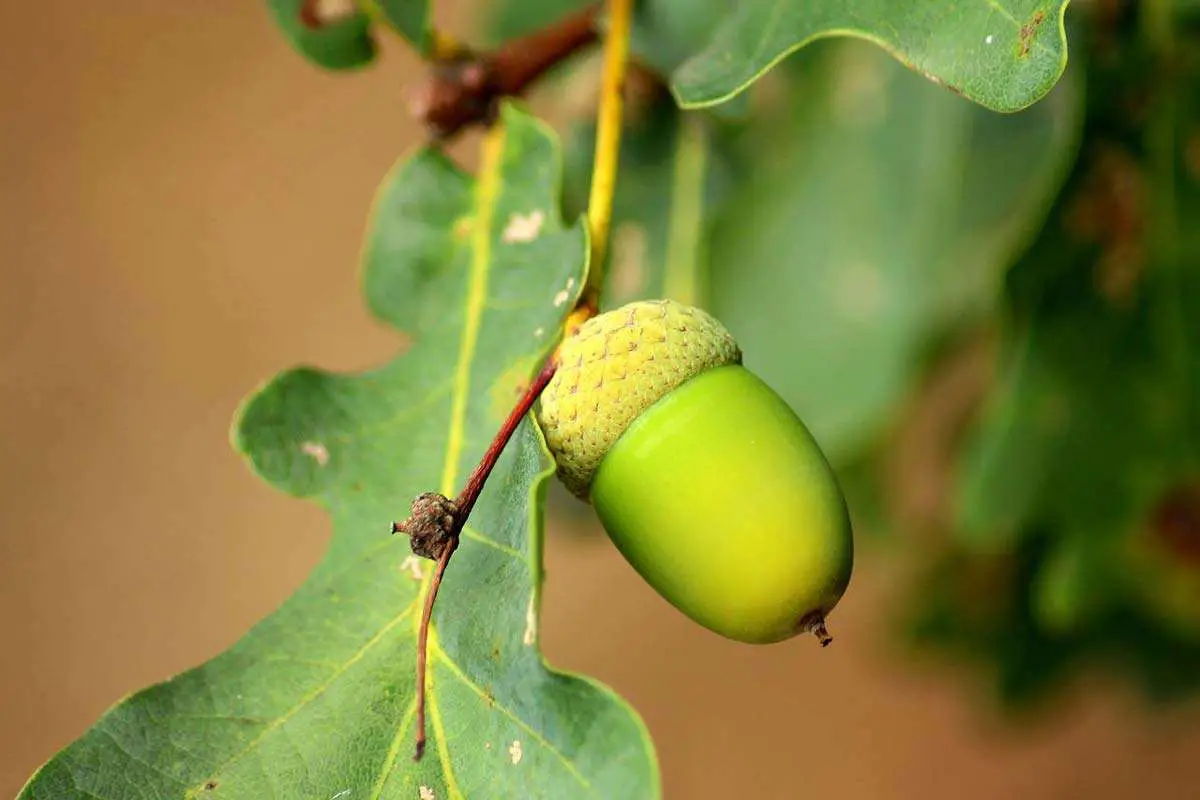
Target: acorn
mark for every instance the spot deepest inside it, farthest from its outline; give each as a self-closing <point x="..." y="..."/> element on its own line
<point x="703" y="477"/>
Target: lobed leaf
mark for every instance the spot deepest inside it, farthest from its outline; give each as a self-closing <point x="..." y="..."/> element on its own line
<point x="317" y="701"/>
<point x="1003" y="54"/>
<point x="346" y="42"/>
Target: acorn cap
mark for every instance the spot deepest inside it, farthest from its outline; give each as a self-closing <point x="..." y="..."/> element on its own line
<point x="615" y="367"/>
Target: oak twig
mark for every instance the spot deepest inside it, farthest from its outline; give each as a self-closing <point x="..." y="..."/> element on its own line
<point x="465" y="87"/>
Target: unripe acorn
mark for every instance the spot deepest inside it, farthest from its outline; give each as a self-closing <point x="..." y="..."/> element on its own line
<point x="703" y="477"/>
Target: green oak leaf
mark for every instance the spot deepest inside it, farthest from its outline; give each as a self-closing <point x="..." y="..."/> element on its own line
<point x="317" y="700"/>
<point x="1003" y="54"/>
<point x="412" y="19"/>
<point x="347" y="43"/>
<point x="872" y="212"/>
<point x="344" y="44"/>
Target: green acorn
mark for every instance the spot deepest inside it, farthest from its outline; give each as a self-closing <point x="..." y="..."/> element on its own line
<point x="704" y="478"/>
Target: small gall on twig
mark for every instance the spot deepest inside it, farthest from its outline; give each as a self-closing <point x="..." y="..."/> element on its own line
<point x="431" y="525"/>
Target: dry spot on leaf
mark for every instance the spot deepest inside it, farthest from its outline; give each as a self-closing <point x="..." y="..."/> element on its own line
<point x="515" y="752"/>
<point x="425" y="793"/>
<point x="412" y="565"/>
<point x="329" y="11"/>
<point x="523" y="227"/>
<point x="530" y="637"/>
<point x="1028" y="31"/>
<point x="565" y="294"/>
<point x="316" y="451"/>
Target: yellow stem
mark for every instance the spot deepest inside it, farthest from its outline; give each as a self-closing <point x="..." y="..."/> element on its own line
<point x="608" y="145"/>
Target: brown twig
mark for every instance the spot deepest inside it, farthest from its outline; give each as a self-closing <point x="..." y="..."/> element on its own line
<point x="436" y="522"/>
<point x="423" y="641"/>
<point x="465" y="88"/>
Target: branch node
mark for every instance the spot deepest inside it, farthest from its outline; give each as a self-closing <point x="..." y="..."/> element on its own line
<point x="464" y="88"/>
<point x="432" y="523"/>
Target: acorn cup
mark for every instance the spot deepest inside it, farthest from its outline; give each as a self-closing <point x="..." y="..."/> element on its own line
<point x="703" y="477"/>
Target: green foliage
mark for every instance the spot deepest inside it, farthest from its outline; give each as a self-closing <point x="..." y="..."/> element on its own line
<point x="347" y="42"/>
<point x="344" y="44"/>
<point x="1003" y="55"/>
<point x="1087" y="456"/>
<point x="317" y="700"/>
<point x="825" y="230"/>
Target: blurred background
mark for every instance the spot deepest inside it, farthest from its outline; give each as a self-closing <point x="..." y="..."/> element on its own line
<point x="181" y="205"/>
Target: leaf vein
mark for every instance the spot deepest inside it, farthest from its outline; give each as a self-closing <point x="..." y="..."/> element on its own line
<point x="443" y="749"/>
<point x="389" y="762"/>
<point x="541" y="740"/>
<point x="475" y="535"/>
<point x="308" y="698"/>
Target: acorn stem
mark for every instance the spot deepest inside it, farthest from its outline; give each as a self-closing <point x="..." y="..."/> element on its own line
<point x="608" y="146"/>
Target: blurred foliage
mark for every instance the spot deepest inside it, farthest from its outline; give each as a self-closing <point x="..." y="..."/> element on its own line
<point x="1003" y="56"/>
<point x="1085" y="462"/>
<point x="990" y="322"/>
<point x="344" y="40"/>
<point x="342" y="44"/>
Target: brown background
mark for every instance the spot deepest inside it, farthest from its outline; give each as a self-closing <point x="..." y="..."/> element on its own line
<point x="181" y="200"/>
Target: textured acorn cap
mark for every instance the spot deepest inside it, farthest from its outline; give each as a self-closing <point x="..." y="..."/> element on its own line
<point x="615" y="367"/>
